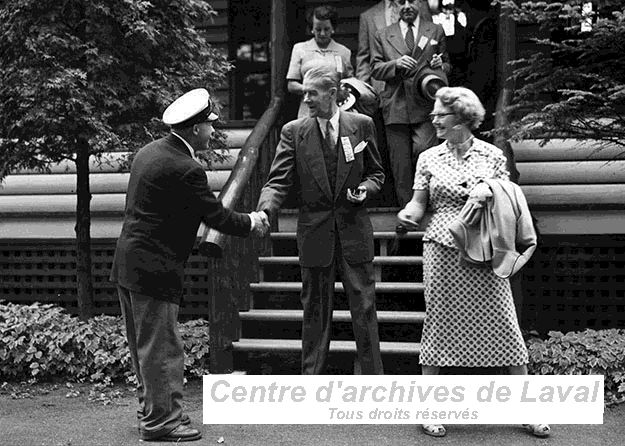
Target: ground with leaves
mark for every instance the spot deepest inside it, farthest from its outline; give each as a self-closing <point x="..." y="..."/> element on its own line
<point x="66" y="414"/>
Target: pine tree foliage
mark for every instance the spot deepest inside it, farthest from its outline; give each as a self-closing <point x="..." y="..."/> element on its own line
<point x="574" y="86"/>
<point x="98" y="72"/>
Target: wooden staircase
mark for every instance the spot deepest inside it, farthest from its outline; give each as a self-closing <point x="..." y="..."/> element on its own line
<point x="272" y="325"/>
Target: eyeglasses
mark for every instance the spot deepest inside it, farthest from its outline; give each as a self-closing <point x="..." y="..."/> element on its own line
<point x="440" y="115"/>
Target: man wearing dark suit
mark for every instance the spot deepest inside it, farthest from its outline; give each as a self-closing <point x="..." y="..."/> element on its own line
<point x="399" y="52"/>
<point x="167" y="197"/>
<point x="330" y="160"/>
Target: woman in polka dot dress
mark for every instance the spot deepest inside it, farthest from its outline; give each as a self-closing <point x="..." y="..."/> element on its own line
<point x="470" y="316"/>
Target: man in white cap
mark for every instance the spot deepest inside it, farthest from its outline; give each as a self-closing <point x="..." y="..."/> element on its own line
<point x="167" y="197"/>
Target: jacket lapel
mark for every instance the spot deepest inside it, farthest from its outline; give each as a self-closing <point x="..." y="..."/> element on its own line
<point x="394" y="37"/>
<point x="310" y="140"/>
<point x="346" y="129"/>
<point x="424" y="31"/>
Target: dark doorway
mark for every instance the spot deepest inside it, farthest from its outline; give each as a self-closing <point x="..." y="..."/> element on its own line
<point x="248" y="48"/>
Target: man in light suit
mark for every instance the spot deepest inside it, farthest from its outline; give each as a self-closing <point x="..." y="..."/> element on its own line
<point x="330" y="160"/>
<point x="167" y="197"/>
<point x="399" y="52"/>
<point x="378" y="17"/>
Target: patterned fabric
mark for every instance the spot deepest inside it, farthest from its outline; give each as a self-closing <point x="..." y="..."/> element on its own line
<point x="449" y="182"/>
<point x="409" y="38"/>
<point x="470" y="316"/>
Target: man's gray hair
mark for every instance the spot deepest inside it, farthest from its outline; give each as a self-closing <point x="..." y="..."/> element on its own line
<point x="327" y="74"/>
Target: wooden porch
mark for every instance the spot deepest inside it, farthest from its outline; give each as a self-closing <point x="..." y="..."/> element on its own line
<point x="249" y="289"/>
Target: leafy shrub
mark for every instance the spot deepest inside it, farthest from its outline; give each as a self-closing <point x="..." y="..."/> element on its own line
<point x="591" y="352"/>
<point x="38" y="342"/>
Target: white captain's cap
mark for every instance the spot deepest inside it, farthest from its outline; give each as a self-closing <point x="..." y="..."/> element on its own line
<point x="189" y="109"/>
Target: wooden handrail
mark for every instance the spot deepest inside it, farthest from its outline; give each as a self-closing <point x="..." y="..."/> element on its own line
<point x="212" y="241"/>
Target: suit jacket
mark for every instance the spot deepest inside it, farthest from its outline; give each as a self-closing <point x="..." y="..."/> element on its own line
<point x="371" y="21"/>
<point x="324" y="215"/>
<point x="500" y="232"/>
<point x="167" y="196"/>
<point x="401" y="104"/>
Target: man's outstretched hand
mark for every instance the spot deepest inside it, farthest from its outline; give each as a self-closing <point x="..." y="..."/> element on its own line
<point x="261" y="223"/>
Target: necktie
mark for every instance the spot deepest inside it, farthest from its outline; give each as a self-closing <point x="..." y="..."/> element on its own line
<point x="329" y="155"/>
<point x="410" y="39"/>
<point x="329" y="139"/>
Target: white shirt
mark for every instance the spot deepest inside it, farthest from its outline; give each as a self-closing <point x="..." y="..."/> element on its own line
<point x="403" y="27"/>
<point x="334" y="126"/>
<point x="191" y="151"/>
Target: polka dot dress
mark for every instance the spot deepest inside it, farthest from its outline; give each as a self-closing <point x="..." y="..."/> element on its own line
<point x="470" y="316"/>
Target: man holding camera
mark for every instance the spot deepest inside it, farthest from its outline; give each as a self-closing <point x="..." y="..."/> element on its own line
<point x="410" y="56"/>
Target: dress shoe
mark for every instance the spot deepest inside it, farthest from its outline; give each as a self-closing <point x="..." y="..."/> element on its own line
<point x="181" y="433"/>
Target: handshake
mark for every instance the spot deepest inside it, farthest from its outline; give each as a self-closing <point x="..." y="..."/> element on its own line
<point x="260" y="223"/>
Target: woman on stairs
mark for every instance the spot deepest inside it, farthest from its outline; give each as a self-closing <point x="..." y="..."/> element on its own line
<point x="470" y="316"/>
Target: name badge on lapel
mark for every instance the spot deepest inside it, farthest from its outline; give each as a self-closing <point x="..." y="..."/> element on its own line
<point x="422" y="42"/>
<point x="347" y="149"/>
<point x="339" y="64"/>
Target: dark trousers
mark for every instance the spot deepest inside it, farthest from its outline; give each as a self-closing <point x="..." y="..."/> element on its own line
<point x="317" y="300"/>
<point x="405" y="142"/>
<point x="157" y="355"/>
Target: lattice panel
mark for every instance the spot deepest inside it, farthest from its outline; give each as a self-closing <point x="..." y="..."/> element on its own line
<point x="576" y="284"/>
<point x="45" y="272"/>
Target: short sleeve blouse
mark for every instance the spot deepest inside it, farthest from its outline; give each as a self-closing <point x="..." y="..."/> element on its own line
<point x="307" y="55"/>
<point x="449" y="182"/>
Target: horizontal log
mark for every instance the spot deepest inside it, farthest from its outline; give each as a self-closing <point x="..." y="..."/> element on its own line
<point x="48" y="205"/>
<point x="571" y="172"/>
<point x="115" y="162"/>
<point x="576" y="222"/>
<point x="565" y="150"/>
<point x="575" y="194"/>
<point x="100" y="183"/>
<point x="59" y="227"/>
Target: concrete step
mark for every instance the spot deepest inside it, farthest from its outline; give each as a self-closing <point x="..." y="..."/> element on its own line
<point x="378" y="260"/>
<point x="380" y="287"/>
<point x="268" y="315"/>
<point x="295" y="345"/>
<point x="380" y="235"/>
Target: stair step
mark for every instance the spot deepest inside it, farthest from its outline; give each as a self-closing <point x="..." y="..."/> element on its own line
<point x="295" y="345"/>
<point x="413" y="235"/>
<point x="413" y="317"/>
<point x="378" y="260"/>
<point x="380" y="287"/>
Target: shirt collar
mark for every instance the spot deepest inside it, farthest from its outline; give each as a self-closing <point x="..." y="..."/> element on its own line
<point x="334" y="120"/>
<point x="191" y="151"/>
<point x="446" y="152"/>
<point x="331" y="46"/>
<point x="389" y="3"/>
<point x="404" y="26"/>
